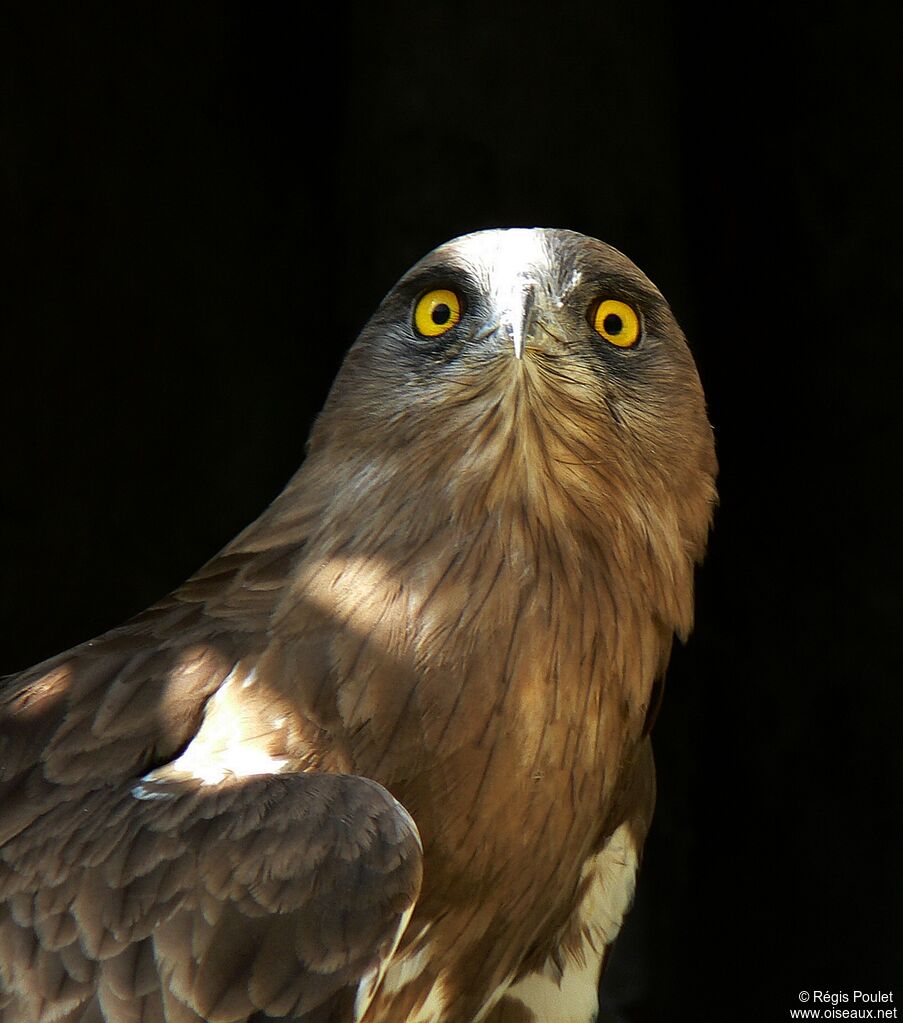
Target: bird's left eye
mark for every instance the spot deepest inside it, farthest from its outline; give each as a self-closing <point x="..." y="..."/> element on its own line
<point x="616" y="321"/>
<point x="437" y="312"/>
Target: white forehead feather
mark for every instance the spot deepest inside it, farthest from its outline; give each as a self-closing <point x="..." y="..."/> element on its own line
<point x="511" y="262"/>
<point x="512" y="258"/>
<point x="508" y="258"/>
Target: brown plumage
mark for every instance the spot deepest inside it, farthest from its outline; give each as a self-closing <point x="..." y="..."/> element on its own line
<point x="455" y="615"/>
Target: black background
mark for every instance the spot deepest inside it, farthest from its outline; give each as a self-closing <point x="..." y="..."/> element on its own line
<point x="202" y="206"/>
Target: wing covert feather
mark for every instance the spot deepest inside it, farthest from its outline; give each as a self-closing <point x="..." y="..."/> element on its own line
<point x="276" y="894"/>
<point x="116" y="706"/>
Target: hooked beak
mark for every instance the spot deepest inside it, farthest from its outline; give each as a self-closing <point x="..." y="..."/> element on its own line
<point x="523" y="320"/>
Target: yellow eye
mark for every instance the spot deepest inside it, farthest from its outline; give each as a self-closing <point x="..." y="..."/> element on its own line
<point x="436" y="312"/>
<point x="616" y="322"/>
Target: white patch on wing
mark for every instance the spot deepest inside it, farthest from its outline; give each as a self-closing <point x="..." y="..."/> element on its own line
<point x="570" y="995"/>
<point x="231" y="742"/>
<point x="237" y="762"/>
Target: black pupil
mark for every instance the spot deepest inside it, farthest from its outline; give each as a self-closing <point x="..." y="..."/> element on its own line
<point x="613" y="324"/>
<point x="441" y="314"/>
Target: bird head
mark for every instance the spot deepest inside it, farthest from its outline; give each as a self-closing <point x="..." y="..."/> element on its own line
<point x="530" y="384"/>
<point x="528" y="365"/>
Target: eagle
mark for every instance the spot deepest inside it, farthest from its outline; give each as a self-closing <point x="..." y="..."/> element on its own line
<point x="386" y="757"/>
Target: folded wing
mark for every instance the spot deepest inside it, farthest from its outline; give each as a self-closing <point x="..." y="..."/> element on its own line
<point x="281" y="895"/>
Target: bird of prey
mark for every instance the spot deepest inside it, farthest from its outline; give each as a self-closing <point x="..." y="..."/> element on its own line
<point x="386" y="757"/>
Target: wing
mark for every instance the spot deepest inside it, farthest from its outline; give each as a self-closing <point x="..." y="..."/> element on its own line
<point x="133" y="884"/>
<point x="117" y="706"/>
<point x="284" y="895"/>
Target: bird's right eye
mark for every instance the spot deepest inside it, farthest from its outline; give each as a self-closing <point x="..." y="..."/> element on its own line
<point x="436" y="312"/>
